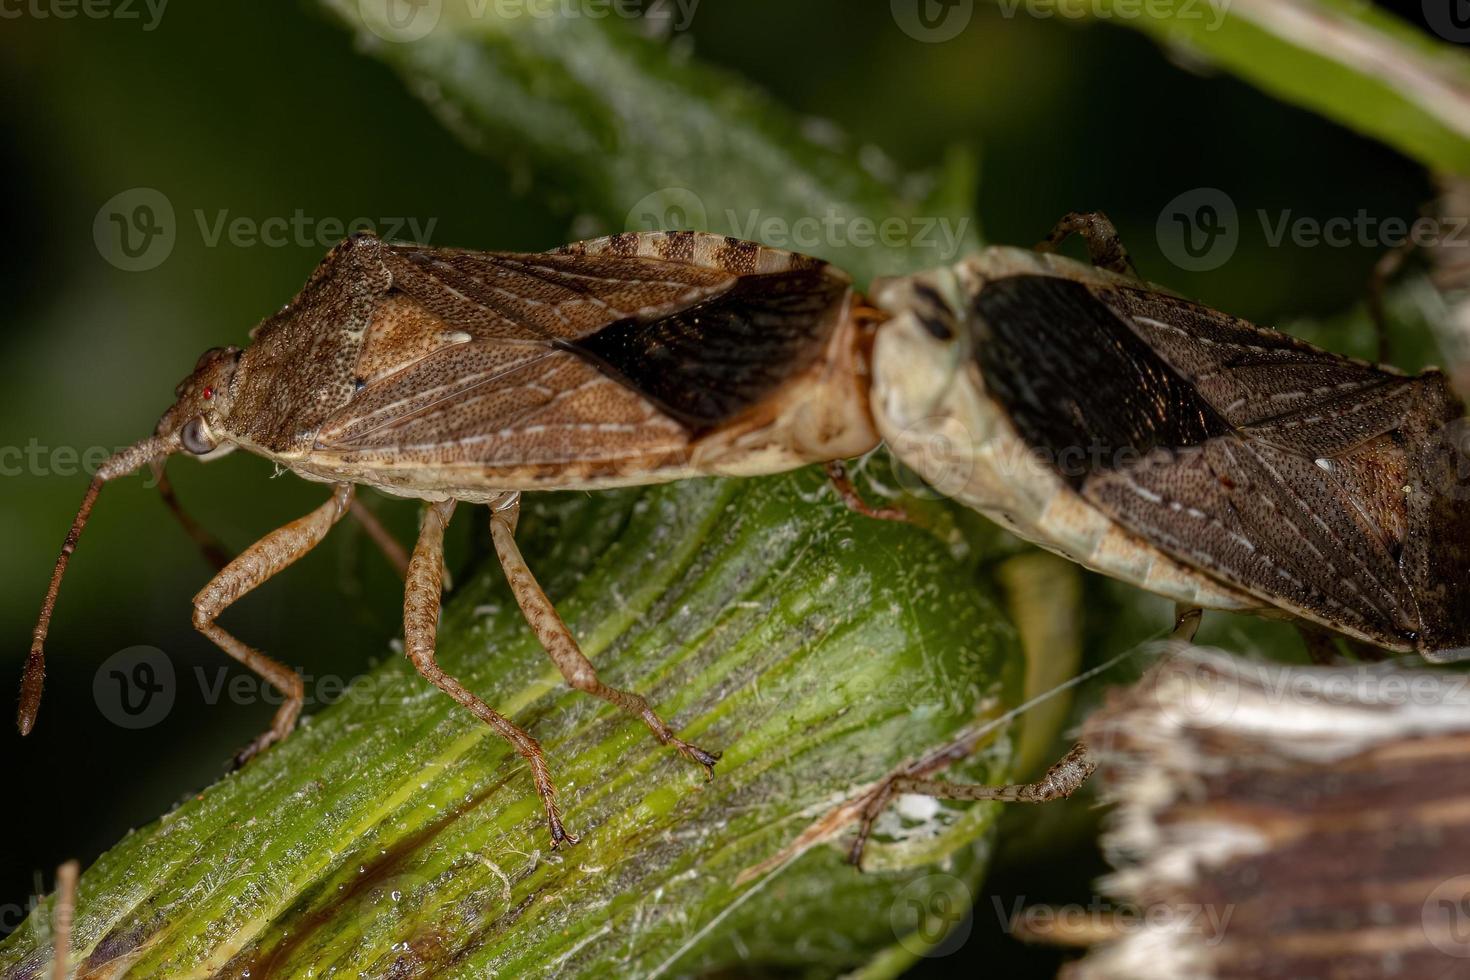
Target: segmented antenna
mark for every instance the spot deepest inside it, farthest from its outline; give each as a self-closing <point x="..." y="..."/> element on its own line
<point x="120" y="464"/>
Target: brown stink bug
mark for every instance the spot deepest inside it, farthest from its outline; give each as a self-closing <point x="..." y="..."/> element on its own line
<point x="1201" y="457"/>
<point x="1180" y="449"/>
<point x="450" y="375"/>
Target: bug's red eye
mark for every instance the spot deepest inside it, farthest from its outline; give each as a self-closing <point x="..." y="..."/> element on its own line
<point x="209" y="392"/>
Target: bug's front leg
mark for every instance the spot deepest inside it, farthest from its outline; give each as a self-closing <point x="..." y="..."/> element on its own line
<point x="1063" y="779"/>
<point x="421" y="603"/>
<point x="838" y="476"/>
<point x="1104" y="246"/>
<point x="253" y="566"/>
<point x="562" y="647"/>
<point x="1059" y="782"/>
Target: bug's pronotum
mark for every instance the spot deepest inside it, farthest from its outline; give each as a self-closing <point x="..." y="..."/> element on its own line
<point x="1220" y="464"/>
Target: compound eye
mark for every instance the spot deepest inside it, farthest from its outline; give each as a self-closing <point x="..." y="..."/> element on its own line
<point x="195" y="437"/>
<point x="937" y="327"/>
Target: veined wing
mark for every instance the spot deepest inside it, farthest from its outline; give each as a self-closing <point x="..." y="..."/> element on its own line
<point x="1277" y="467"/>
<point x="599" y="350"/>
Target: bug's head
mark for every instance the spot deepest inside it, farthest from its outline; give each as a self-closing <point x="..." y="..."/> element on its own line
<point x="922" y="348"/>
<point x="203" y="400"/>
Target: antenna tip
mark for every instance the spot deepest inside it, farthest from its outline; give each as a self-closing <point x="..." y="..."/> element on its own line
<point x="30" y="695"/>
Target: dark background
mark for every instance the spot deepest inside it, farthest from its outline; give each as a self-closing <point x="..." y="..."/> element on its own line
<point x="262" y="109"/>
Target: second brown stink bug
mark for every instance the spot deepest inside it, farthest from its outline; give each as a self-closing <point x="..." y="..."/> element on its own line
<point x="1218" y="463"/>
<point x="449" y="376"/>
<point x="1177" y="448"/>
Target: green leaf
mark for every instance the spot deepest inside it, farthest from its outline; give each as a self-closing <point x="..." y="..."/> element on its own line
<point x="642" y="138"/>
<point x="1345" y="59"/>
<point x="396" y="835"/>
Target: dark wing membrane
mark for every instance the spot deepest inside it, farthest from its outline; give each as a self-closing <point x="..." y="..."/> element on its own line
<point x="1090" y="394"/>
<point x="710" y="362"/>
<point x="535" y="344"/>
<point x="1261" y="460"/>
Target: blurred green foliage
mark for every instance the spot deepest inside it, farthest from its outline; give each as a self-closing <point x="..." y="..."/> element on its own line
<point x="262" y="110"/>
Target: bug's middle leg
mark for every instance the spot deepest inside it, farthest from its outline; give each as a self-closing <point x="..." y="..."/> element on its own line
<point x="562" y="647"/>
<point x="251" y="567"/>
<point x="422" y="599"/>
<point x="1104" y="246"/>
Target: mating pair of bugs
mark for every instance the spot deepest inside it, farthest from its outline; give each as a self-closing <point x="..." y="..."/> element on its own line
<point x="1208" y="460"/>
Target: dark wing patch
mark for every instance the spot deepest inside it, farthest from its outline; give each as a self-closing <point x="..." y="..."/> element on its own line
<point x="1297" y="475"/>
<point x="1091" y="395"/>
<point x="710" y="362"/>
<point x="691" y="340"/>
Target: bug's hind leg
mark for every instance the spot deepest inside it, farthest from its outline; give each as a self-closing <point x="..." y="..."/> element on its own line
<point x="253" y="566"/>
<point x="1104" y="246"/>
<point x="381" y="537"/>
<point x="421" y="603"/>
<point x="562" y="647"/>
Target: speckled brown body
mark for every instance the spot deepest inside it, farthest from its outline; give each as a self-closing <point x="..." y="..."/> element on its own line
<point x="450" y="375"/>
<point x="438" y="373"/>
<point x="1218" y="463"/>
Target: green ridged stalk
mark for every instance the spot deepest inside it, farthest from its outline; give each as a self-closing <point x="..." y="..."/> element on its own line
<point x="395" y="835"/>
